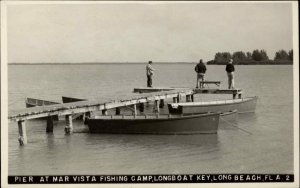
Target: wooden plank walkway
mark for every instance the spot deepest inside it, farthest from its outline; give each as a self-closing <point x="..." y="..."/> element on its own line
<point x="89" y="106"/>
<point x="217" y="91"/>
<point x="156" y="89"/>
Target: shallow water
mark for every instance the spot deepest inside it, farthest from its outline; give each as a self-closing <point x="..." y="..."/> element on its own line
<point x="260" y="142"/>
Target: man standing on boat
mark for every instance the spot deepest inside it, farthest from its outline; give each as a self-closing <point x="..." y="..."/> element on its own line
<point x="200" y="69"/>
<point x="149" y="73"/>
<point x="230" y="74"/>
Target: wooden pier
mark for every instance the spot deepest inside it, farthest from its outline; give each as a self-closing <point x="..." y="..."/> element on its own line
<point x="85" y="107"/>
<point x="70" y="109"/>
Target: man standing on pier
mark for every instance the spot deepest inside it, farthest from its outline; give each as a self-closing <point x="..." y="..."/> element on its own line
<point x="200" y="69"/>
<point x="149" y="73"/>
<point x="230" y="74"/>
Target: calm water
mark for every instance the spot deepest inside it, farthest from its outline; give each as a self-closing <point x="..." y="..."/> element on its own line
<point x="256" y="143"/>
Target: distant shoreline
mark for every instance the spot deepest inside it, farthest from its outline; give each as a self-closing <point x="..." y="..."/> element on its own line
<point x="118" y="63"/>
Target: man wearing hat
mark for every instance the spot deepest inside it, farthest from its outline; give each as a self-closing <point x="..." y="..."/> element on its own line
<point x="149" y="73"/>
<point x="230" y="74"/>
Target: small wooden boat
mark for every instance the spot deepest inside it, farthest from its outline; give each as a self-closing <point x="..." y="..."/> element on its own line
<point x="31" y="102"/>
<point x="71" y="99"/>
<point x="155" y="124"/>
<point x="243" y="105"/>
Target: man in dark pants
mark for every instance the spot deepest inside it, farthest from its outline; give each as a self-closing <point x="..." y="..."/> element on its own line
<point x="200" y="69"/>
<point x="230" y="74"/>
<point x="149" y="73"/>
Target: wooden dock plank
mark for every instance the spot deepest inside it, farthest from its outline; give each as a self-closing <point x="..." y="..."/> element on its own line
<point x="217" y="91"/>
<point x="157" y="89"/>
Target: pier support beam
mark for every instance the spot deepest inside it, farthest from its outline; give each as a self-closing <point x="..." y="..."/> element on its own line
<point x="69" y="124"/>
<point x="156" y="106"/>
<point x="104" y="112"/>
<point x="134" y="109"/>
<point x="118" y="111"/>
<point x="49" y="128"/>
<point x="86" y="115"/>
<point x="161" y="103"/>
<point x="22" y="132"/>
<point x="141" y="107"/>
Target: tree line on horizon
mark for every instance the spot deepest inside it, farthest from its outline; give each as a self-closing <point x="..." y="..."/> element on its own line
<point x="255" y="57"/>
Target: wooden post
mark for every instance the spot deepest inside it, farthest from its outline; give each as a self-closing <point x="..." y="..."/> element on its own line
<point x="69" y="124"/>
<point x="104" y="112"/>
<point x="141" y="107"/>
<point x="178" y="98"/>
<point x="161" y="103"/>
<point x="118" y="111"/>
<point x="22" y="132"/>
<point x="86" y="116"/>
<point x="156" y="106"/>
<point x="192" y="98"/>
<point x="49" y="128"/>
<point x="134" y="109"/>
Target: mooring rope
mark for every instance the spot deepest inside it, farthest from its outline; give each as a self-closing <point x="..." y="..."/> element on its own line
<point x="235" y="126"/>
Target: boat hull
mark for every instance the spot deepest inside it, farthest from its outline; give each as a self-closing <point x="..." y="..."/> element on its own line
<point x="229" y="116"/>
<point x="245" y="105"/>
<point x="193" y="124"/>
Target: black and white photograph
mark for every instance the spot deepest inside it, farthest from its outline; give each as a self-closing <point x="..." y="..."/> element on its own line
<point x="149" y="93"/>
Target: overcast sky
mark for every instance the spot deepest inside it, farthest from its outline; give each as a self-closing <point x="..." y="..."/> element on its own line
<point x="138" y="32"/>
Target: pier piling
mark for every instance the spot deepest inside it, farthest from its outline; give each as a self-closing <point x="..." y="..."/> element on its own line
<point x="161" y="103"/>
<point x="86" y="116"/>
<point x="134" y="109"/>
<point x="22" y="132"/>
<point x="118" y="111"/>
<point x="69" y="124"/>
<point x="104" y="112"/>
<point x="141" y="107"/>
<point x="49" y="124"/>
<point x="156" y="106"/>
